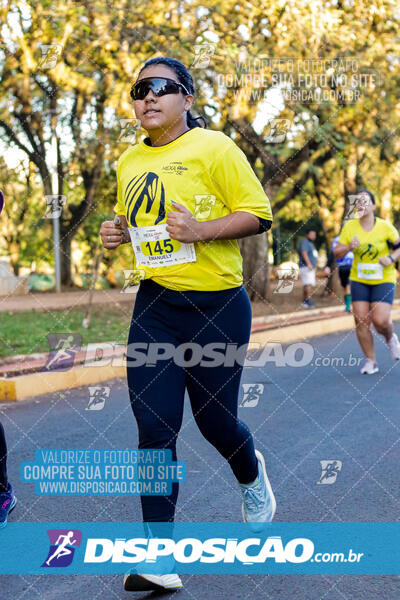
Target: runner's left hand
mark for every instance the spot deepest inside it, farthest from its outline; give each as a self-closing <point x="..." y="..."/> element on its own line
<point x="385" y="261"/>
<point x="182" y="226"/>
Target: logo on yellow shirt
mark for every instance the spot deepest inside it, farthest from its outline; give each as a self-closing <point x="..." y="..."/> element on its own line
<point x="367" y="251"/>
<point x="175" y="167"/>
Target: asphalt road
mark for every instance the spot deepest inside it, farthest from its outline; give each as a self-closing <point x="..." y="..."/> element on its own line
<point x="305" y="415"/>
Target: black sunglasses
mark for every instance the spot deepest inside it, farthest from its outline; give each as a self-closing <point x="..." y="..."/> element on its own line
<point x="160" y="86"/>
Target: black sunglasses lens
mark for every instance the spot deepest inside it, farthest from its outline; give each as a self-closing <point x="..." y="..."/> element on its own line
<point x="158" y="85"/>
<point x="140" y="90"/>
<point x="171" y="88"/>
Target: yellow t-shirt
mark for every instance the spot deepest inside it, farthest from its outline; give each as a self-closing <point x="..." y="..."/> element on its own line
<point x="373" y="245"/>
<point x="206" y="172"/>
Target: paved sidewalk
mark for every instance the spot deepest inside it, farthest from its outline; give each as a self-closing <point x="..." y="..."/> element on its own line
<point x="43" y="301"/>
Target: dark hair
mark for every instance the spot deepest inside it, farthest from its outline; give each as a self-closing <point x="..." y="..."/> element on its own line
<point x="184" y="77"/>
<point x="370" y="194"/>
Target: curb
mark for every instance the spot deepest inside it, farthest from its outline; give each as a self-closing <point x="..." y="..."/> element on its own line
<point x="15" y="389"/>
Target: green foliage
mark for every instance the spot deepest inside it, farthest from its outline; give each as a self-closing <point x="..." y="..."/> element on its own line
<point x="106" y="325"/>
<point x="25" y="236"/>
<point x="331" y="149"/>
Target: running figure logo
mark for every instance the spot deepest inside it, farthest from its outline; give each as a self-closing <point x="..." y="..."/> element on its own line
<point x="203" y="53"/>
<point x="356" y="206"/>
<point x="63" y="347"/>
<point x="287" y="273"/>
<point x="251" y="394"/>
<point x="278" y="128"/>
<point x="129" y="130"/>
<point x="54" y="206"/>
<point x="203" y="205"/>
<point x="330" y="469"/>
<point x="98" y="397"/>
<point x="50" y="55"/>
<point x="63" y="543"/>
<point x="133" y="277"/>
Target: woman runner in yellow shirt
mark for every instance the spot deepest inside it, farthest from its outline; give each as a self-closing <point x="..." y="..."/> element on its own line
<point x="185" y="195"/>
<point x="372" y="276"/>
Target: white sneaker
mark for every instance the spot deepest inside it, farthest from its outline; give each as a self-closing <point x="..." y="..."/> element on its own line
<point x="394" y="347"/>
<point x="135" y="582"/>
<point x="259" y="504"/>
<point x="159" y="576"/>
<point x="370" y="367"/>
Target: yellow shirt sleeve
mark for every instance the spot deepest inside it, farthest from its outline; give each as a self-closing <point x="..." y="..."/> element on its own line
<point x="392" y="233"/>
<point x="239" y="186"/>
<point x="346" y="235"/>
<point x="119" y="207"/>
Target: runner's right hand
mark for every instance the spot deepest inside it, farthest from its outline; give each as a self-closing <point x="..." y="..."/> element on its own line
<point x="355" y="242"/>
<point x="112" y="234"/>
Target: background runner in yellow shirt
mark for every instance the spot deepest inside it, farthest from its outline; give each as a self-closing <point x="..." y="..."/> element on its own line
<point x="372" y="276"/>
<point x="185" y="195"/>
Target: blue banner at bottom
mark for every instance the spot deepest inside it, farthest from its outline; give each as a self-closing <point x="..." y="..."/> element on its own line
<point x="218" y="547"/>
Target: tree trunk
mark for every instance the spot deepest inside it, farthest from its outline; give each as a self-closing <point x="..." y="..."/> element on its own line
<point x="254" y="251"/>
<point x="15" y="267"/>
<point x="351" y="179"/>
<point x="65" y="249"/>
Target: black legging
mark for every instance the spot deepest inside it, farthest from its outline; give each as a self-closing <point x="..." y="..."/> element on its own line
<point x="157" y="392"/>
<point x="3" y="461"/>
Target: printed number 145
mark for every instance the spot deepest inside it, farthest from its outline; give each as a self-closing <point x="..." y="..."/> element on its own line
<point x="156" y="248"/>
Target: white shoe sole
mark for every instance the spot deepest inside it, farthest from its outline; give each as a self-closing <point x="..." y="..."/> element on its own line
<point x="395" y="355"/>
<point x="271" y="494"/>
<point x="145" y="582"/>
<point x="376" y="370"/>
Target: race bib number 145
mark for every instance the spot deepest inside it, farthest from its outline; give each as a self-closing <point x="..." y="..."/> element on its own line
<point x="369" y="271"/>
<point x="154" y="248"/>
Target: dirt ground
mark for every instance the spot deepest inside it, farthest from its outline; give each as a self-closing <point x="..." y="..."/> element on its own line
<point x="282" y="301"/>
